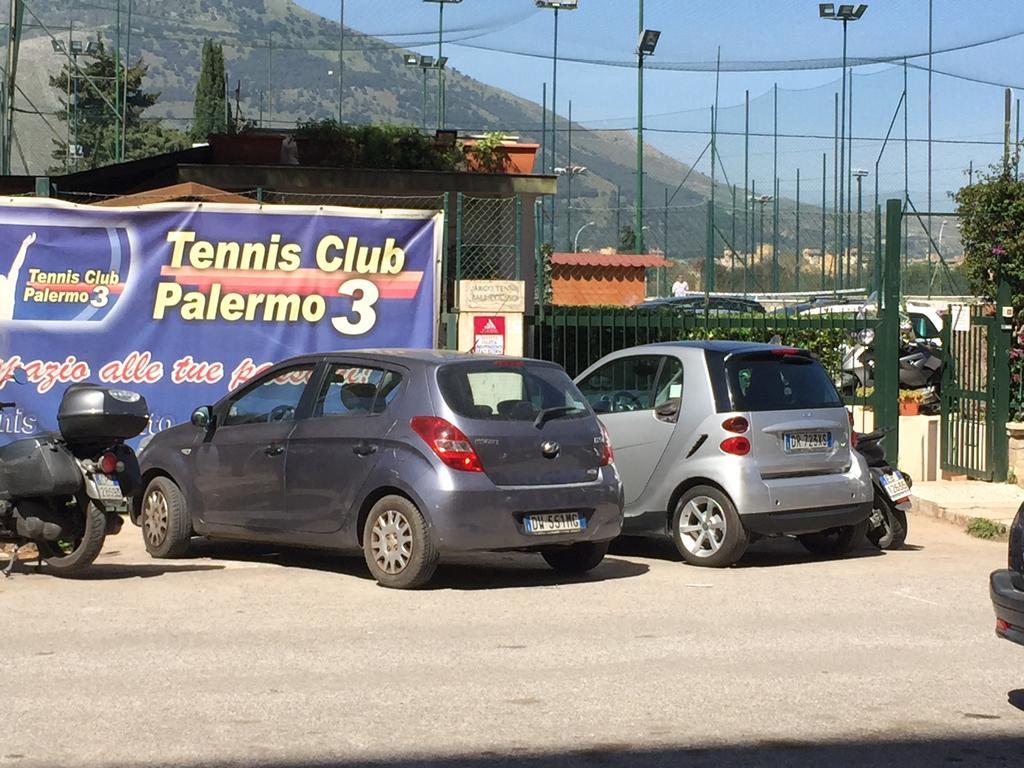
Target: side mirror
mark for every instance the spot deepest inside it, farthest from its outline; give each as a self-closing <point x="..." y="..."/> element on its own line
<point x="202" y="417"/>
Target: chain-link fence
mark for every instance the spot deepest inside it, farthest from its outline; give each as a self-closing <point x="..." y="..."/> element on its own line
<point x="488" y="238"/>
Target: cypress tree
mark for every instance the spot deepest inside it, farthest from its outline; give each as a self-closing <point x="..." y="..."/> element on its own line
<point x="210" y="110"/>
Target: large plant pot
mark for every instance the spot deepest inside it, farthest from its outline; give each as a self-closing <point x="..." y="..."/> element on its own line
<point x="518" y="158"/>
<point x="910" y="408"/>
<point x="246" y="148"/>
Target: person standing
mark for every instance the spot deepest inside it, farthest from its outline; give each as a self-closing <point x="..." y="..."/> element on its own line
<point x="680" y="287"/>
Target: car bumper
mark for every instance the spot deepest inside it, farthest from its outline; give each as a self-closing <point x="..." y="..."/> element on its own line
<point x="796" y="522"/>
<point x="1007" y="590"/>
<point x="476" y="515"/>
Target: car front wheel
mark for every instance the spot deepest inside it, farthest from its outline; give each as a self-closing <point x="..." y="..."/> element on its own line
<point x="397" y="545"/>
<point x="166" y="524"/>
<point x="707" y="530"/>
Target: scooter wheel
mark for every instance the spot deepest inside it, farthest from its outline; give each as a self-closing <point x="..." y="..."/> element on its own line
<point x="69" y="557"/>
<point x="892" y="534"/>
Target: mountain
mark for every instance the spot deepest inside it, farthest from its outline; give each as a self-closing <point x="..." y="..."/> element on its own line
<point x="283" y="61"/>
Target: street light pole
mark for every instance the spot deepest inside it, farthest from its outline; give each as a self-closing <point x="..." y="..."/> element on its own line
<point x="441" y="105"/>
<point x="645" y="47"/>
<point x="845" y="14"/>
<point x="576" y="240"/>
<point x="859" y="174"/>
<point x="556" y="6"/>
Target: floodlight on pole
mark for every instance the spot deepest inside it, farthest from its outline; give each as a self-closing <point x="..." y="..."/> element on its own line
<point x="440" y="55"/>
<point x="556" y="6"/>
<point x="845" y="13"/>
<point x="424" y="63"/>
<point x="646" y="46"/>
<point x="576" y="240"/>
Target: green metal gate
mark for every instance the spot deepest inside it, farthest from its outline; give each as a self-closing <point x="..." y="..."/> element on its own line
<point x="976" y="393"/>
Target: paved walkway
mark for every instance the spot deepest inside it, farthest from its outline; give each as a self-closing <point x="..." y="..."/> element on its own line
<point x="959" y="501"/>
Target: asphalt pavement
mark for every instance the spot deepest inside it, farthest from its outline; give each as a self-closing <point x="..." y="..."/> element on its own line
<point x="253" y="656"/>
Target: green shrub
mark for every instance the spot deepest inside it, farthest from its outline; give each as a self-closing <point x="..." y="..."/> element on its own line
<point x="385" y="147"/>
<point x="983" y="528"/>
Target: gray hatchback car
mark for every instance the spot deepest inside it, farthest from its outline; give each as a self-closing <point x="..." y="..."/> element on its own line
<point x="406" y="455"/>
<point x="720" y="442"/>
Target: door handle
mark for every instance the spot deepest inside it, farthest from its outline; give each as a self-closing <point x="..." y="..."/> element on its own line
<point x="274" y="450"/>
<point x="364" y="449"/>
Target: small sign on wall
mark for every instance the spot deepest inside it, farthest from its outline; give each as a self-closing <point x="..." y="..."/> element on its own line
<point x="489" y="335"/>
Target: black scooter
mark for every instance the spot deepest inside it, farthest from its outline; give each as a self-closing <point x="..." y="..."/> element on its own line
<point x="887" y="526"/>
<point x="64" y="493"/>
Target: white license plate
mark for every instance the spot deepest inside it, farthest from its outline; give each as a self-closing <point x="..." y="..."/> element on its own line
<point x="561" y="522"/>
<point x="108" y="488"/>
<point x="807" y="441"/>
<point x="896" y="486"/>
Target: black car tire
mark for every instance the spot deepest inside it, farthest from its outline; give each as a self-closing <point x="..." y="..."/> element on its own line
<point x="735" y="538"/>
<point x="397" y="517"/>
<point x="835" y="541"/>
<point x="894" y="533"/>
<point x="166" y="525"/>
<point x="87" y="549"/>
<point x="577" y="558"/>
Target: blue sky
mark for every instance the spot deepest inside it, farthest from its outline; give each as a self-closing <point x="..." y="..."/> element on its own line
<point x="508" y="43"/>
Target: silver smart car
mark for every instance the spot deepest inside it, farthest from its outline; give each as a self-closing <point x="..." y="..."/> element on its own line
<point x="718" y="442"/>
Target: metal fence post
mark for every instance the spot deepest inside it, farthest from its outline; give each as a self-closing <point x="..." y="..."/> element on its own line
<point x="519" y="237"/>
<point x="458" y="238"/>
<point x="445" y="297"/>
<point x="709" y="264"/>
<point x="887" y="343"/>
<point x="42" y="186"/>
<point x="999" y="351"/>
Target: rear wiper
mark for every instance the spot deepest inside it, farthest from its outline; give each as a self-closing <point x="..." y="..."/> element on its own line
<point x="554" y="413"/>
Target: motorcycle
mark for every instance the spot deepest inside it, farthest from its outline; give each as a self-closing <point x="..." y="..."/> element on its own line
<point x="64" y="493"/>
<point x="920" y="368"/>
<point x="887" y="526"/>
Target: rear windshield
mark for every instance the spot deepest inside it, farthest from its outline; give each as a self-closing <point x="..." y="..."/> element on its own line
<point x="763" y="383"/>
<point x="508" y="390"/>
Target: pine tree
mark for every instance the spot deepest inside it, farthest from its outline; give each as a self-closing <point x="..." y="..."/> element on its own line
<point x="210" y="113"/>
<point x="94" y="123"/>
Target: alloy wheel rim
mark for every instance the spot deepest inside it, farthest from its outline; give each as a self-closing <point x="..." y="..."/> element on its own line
<point x="702" y="526"/>
<point x="155" y="517"/>
<point x="391" y="541"/>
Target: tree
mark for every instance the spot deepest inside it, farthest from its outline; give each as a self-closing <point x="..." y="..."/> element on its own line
<point x="211" y="111"/>
<point x="992" y="232"/>
<point x="94" y="119"/>
<point x="627" y="239"/>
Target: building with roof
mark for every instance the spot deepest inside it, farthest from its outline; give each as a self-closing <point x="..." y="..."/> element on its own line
<point x="601" y="279"/>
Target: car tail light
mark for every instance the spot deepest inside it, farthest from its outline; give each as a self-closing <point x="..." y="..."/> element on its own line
<point x="449" y="443"/>
<point x="737" y="446"/>
<point x="607" y="452"/>
<point x="108" y="463"/>
<point x="1002" y="626"/>
<point x="853" y="434"/>
<point x="785" y="351"/>
<point x="736" y="424"/>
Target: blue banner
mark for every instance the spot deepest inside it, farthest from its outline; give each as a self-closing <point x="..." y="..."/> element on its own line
<point x="184" y="302"/>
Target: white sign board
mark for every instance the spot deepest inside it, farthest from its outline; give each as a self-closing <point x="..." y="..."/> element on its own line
<point x="492" y="296"/>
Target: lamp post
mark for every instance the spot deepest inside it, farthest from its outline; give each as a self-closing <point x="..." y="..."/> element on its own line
<point x="569" y="172"/>
<point x="556" y="6"/>
<point x="440" y="55"/>
<point x="859" y="174"/>
<point x="762" y="200"/>
<point x="73" y="49"/>
<point x="845" y="13"/>
<point x="424" y="63"/>
<point x="648" y="43"/>
<point x="576" y="240"/>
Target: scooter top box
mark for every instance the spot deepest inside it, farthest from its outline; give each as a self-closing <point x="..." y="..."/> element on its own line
<point x="89" y="412"/>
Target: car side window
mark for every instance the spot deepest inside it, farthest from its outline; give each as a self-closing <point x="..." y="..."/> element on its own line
<point x="352" y="390"/>
<point x="272" y="398"/>
<point x="625" y="384"/>
<point x="668" y="390"/>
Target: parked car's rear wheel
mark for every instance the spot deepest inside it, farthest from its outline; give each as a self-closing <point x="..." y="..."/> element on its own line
<point x="577" y="558"/>
<point x="835" y="541"/>
<point x="707" y="530"/>
<point x="166" y="524"/>
<point x="397" y="545"/>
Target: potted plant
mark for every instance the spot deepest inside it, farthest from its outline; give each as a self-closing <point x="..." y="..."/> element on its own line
<point x="910" y="402"/>
<point x="494" y="152"/>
